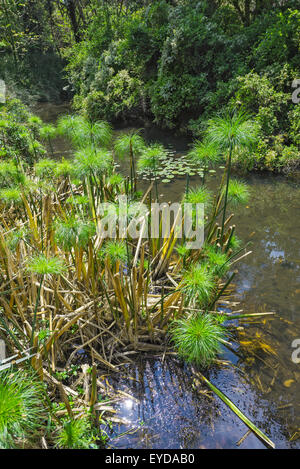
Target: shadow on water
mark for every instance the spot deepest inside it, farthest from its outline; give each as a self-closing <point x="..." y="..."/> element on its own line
<point x="167" y="411"/>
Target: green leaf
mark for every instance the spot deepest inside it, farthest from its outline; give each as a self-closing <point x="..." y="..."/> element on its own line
<point x="239" y="413"/>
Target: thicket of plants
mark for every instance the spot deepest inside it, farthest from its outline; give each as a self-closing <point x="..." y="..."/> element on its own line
<point x="66" y="288"/>
<point x="31" y="61"/>
<point x="176" y="63"/>
<point x="180" y="63"/>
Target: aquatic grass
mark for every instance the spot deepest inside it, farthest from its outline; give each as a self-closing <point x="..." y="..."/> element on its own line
<point x="22" y="409"/>
<point x="48" y="132"/>
<point x="233" y="130"/>
<point x="74" y="232"/>
<point x="197" y="339"/>
<point x="78" y="200"/>
<point x="64" y="168"/>
<point x="42" y="265"/>
<point x="183" y="251"/>
<point x="115" y="179"/>
<point x="68" y="125"/>
<point x="45" y="168"/>
<point x="230" y="132"/>
<point x="116" y="251"/>
<point x="10" y="173"/>
<point x="11" y="195"/>
<point x="234" y="243"/>
<point x="238" y="192"/>
<point x="131" y="144"/>
<point x="199" y="195"/>
<point x="83" y="132"/>
<point x="14" y="237"/>
<point x="92" y="162"/>
<point x="205" y="154"/>
<point x="127" y="143"/>
<point x="197" y="284"/>
<point x="150" y="159"/>
<point x="35" y="121"/>
<point x="100" y="133"/>
<point x="199" y="198"/>
<point x="218" y="261"/>
<point x="75" y="434"/>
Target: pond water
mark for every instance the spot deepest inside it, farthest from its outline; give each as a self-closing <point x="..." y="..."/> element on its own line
<point x="167" y="409"/>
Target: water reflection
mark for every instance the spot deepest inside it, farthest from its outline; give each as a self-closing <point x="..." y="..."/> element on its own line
<point x="171" y="412"/>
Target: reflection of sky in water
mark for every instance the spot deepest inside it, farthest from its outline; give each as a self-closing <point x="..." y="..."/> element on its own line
<point x="169" y="413"/>
<point x="275" y="254"/>
<point x="272" y="249"/>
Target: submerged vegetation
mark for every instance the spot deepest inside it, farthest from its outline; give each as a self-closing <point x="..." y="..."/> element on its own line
<point x="79" y="277"/>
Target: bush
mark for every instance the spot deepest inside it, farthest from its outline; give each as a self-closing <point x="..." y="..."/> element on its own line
<point x="19" y="132"/>
<point x="181" y="63"/>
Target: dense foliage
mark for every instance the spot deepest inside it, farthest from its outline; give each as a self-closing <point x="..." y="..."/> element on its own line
<point x="20" y="132"/>
<point x="179" y="63"/>
<point x="76" y="284"/>
<point x="176" y="63"/>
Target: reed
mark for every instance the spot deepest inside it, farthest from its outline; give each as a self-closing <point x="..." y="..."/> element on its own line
<point x="66" y="287"/>
<point x="51" y="226"/>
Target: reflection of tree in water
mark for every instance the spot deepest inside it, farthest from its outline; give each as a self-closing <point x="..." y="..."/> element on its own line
<point x="174" y="411"/>
<point x="176" y="415"/>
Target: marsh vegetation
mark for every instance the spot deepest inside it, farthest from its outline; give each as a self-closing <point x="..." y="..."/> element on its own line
<point x="84" y="288"/>
<point x="68" y="289"/>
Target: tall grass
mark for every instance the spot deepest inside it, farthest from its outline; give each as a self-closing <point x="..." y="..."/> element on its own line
<point x="22" y="407"/>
